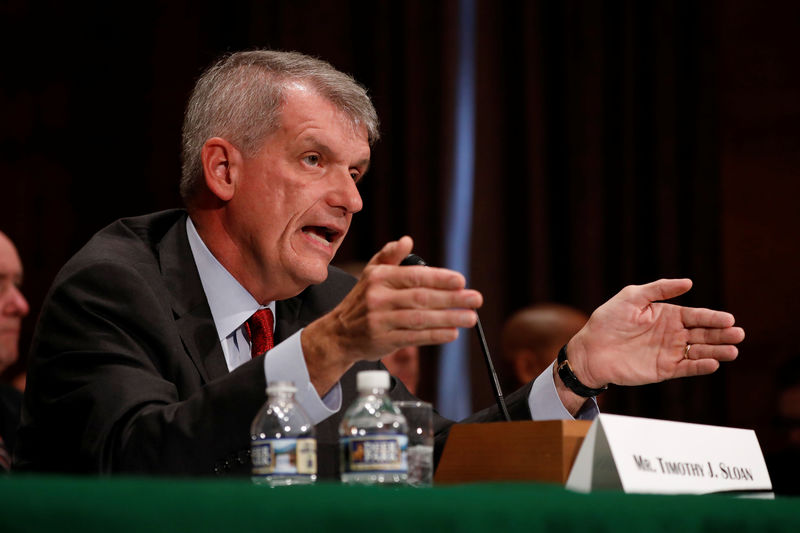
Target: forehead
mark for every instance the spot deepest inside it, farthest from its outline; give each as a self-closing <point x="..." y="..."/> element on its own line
<point x="9" y="260"/>
<point x="305" y="113"/>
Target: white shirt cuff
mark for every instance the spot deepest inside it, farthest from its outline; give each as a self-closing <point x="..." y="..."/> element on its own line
<point x="285" y="362"/>
<point x="545" y="404"/>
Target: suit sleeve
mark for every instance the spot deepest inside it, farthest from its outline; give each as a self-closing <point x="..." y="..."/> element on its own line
<point x="112" y="389"/>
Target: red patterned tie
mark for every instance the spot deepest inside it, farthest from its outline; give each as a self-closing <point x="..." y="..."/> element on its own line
<point x="259" y="330"/>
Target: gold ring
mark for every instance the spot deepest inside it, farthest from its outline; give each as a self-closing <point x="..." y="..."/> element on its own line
<point x="686" y="351"/>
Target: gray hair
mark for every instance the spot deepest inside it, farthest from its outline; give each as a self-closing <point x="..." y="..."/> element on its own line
<point x="239" y="98"/>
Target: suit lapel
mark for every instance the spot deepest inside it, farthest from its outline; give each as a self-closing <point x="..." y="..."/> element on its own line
<point x="288" y="321"/>
<point x="189" y="305"/>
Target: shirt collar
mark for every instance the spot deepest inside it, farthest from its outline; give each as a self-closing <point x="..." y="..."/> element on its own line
<point x="231" y="305"/>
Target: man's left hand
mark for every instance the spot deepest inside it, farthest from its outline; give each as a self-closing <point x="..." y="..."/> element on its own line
<point x="635" y="338"/>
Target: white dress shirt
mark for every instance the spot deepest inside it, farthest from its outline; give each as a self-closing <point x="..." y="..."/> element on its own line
<point x="231" y="305"/>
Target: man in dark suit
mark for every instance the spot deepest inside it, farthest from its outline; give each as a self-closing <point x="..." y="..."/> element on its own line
<point x="141" y="361"/>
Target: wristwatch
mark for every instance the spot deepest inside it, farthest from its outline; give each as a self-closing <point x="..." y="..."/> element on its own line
<point x="571" y="380"/>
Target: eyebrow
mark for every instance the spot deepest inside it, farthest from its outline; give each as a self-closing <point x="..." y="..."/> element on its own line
<point x="365" y="164"/>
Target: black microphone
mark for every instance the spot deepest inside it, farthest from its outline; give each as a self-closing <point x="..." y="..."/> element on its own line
<point x="413" y="259"/>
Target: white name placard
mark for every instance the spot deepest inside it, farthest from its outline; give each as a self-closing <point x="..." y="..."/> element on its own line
<point x="657" y="456"/>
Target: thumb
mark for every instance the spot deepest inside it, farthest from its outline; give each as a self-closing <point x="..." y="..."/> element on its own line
<point x="664" y="289"/>
<point x="393" y="252"/>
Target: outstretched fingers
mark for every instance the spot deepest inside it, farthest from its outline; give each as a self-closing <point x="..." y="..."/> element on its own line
<point x="701" y="367"/>
<point x="723" y="352"/>
<point x="403" y="305"/>
<point x="698" y="317"/>
<point x="711" y="335"/>
<point x="419" y="319"/>
<point x="409" y="277"/>
<point x="422" y="337"/>
<point x="422" y="298"/>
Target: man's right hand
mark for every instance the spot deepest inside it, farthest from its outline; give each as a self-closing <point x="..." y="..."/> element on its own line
<point x="389" y="308"/>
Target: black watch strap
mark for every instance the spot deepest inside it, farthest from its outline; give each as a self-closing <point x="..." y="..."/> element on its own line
<point x="571" y="380"/>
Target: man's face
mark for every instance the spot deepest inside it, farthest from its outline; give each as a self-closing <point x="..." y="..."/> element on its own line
<point x="296" y="197"/>
<point x="13" y="306"/>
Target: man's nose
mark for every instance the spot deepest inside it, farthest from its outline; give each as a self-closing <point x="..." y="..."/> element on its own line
<point x="345" y="194"/>
<point x="15" y="303"/>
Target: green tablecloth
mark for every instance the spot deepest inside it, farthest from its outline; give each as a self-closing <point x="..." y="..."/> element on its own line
<point x="115" y="505"/>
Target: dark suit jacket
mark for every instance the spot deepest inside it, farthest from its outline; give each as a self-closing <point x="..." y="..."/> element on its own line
<point x="127" y="374"/>
<point x="10" y="402"/>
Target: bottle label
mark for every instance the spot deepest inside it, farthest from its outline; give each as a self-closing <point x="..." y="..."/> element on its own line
<point x="375" y="453"/>
<point x="284" y="457"/>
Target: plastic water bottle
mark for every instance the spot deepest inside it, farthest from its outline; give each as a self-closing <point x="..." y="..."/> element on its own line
<point x="283" y="443"/>
<point x="373" y="436"/>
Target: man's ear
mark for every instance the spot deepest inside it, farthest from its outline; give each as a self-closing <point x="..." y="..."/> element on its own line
<point x="221" y="163"/>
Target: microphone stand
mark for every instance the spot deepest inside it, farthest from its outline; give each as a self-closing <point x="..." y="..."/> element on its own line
<point x="498" y="392"/>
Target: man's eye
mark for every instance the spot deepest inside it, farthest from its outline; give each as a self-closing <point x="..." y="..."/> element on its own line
<point x="355" y="176"/>
<point x="312" y="160"/>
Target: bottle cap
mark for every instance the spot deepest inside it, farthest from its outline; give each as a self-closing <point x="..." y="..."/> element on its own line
<point x="274" y="387"/>
<point x="372" y="379"/>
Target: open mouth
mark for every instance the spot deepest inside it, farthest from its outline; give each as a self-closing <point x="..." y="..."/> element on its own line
<point x="322" y="234"/>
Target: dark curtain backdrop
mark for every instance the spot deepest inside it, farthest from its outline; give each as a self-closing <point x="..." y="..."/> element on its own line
<point x="597" y="165"/>
<point x="603" y="155"/>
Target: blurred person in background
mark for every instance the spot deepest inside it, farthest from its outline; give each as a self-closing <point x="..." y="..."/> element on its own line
<point x="13" y="308"/>
<point x="532" y="336"/>
<point x="784" y="459"/>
